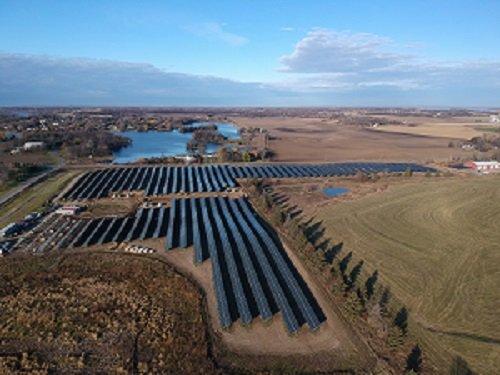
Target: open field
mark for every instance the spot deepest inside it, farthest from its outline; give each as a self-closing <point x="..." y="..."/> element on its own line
<point x="315" y="140"/>
<point x="100" y="313"/>
<point x="453" y="127"/>
<point x="435" y="243"/>
<point x="33" y="198"/>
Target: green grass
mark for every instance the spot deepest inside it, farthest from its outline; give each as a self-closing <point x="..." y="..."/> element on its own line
<point x="436" y="244"/>
<point x="34" y="198"/>
<point x="490" y="129"/>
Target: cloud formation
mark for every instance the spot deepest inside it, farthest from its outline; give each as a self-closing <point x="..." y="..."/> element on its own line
<point x="215" y="31"/>
<point x="352" y="61"/>
<point x="45" y="80"/>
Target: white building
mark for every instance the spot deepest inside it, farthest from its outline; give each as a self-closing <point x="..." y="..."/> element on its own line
<point x="33" y="145"/>
<point x="484" y="166"/>
<point x="69" y="210"/>
<point x="494" y="119"/>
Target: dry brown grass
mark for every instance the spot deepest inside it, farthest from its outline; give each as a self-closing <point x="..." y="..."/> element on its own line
<point x="99" y="313"/>
<point x="321" y="140"/>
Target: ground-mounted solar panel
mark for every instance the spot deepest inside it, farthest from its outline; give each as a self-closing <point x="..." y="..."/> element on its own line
<point x="204" y="175"/>
<point x="94" y="235"/>
<point x="79" y="185"/>
<point x="276" y="289"/>
<point x="220" y="291"/>
<point x="81" y="237"/>
<point x="133" y="232"/>
<point x="170" y="229"/>
<point x="89" y="185"/>
<point x="196" y="229"/>
<point x="183" y="233"/>
<point x="145" y="226"/>
<point x="191" y="181"/>
<point x="199" y="182"/>
<point x="106" y="232"/>
<point x="304" y="305"/>
<point x="235" y="277"/>
<point x="244" y="254"/>
<point x="74" y="228"/>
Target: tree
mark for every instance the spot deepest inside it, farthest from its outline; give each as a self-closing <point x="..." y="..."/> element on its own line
<point x="370" y="284"/>
<point x="401" y="319"/>
<point x="414" y="360"/>
<point x="459" y="366"/>
<point x="353" y="276"/>
<point x="344" y="262"/>
<point x="247" y="158"/>
<point x="384" y="301"/>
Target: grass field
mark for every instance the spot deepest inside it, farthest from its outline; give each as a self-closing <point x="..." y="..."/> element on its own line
<point x="99" y="313"/>
<point x="33" y="198"/>
<point x="435" y="242"/>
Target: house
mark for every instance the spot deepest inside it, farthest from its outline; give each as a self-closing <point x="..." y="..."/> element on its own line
<point x="483" y="166"/>
<point x="28" y="146"/>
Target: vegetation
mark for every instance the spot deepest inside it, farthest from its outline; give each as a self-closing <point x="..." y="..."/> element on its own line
<point x="434" y="243"/>
<point x="96" y="313"/>
<point x="34" y="198"/>
<point x="81" y="143"/>
<point x="366" y="305"/>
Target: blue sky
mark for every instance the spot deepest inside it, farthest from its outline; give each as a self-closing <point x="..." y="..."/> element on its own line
<point x="432" y="53"/>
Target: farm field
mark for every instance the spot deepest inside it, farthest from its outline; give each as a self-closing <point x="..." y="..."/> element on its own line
<point x="434" y="242"/>
<point x="94" y="313"/>
<point x="34" y="197"/>
<point x="297" y="139"/>
<point x="453" y="127"/>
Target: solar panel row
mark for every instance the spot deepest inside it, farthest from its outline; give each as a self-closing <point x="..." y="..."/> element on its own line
<point x="162" y="180"/>
<point x="251" y="271"/>
<point x="252" y="274"/>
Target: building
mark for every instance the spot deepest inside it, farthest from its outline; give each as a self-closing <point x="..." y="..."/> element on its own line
<point x="494" y="119"/>
<point x="28" y="146"/>
<point x="483" y="166"/>
<point x="69" y="210"/>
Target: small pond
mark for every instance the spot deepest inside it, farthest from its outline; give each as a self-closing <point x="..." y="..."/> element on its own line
<point x="333" y="191"/>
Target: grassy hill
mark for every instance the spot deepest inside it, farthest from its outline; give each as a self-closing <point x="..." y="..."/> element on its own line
<point x="436" y="243"/>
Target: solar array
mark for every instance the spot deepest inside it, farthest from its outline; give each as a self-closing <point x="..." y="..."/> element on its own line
<point x="252" y="274"/>
<point x="162" y="180"/>
<point x="146" y="223"/>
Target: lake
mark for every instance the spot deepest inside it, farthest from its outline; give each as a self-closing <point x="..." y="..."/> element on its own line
<point x="335" y="191"/>
<point x="154" y="143"/>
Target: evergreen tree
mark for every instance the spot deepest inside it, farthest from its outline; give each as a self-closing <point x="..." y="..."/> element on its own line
<point x="401" y="319"/>
<point x="370" y="284"/>
<point x="414" y="360"/>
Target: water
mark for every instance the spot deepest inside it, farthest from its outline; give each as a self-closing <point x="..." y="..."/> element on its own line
<point x="335" y="191"/>
<point x="154" y="143"/>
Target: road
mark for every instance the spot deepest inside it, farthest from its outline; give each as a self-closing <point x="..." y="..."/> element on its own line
<point x="12" y="193"/>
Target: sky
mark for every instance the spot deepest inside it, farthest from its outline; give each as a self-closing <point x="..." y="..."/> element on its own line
<point x="250" y="53"/>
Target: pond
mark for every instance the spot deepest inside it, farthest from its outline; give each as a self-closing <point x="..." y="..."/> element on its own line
<point x="333" y="191"/>
<point x="154" y="143"/>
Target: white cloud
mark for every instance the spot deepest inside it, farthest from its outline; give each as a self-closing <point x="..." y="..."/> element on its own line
<point x="46" y="80"/>
<point x="356" y="61"/>
<point x="328" y="51"/>
<point x="287" y="29"/>
<point x="215" y="31"/>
